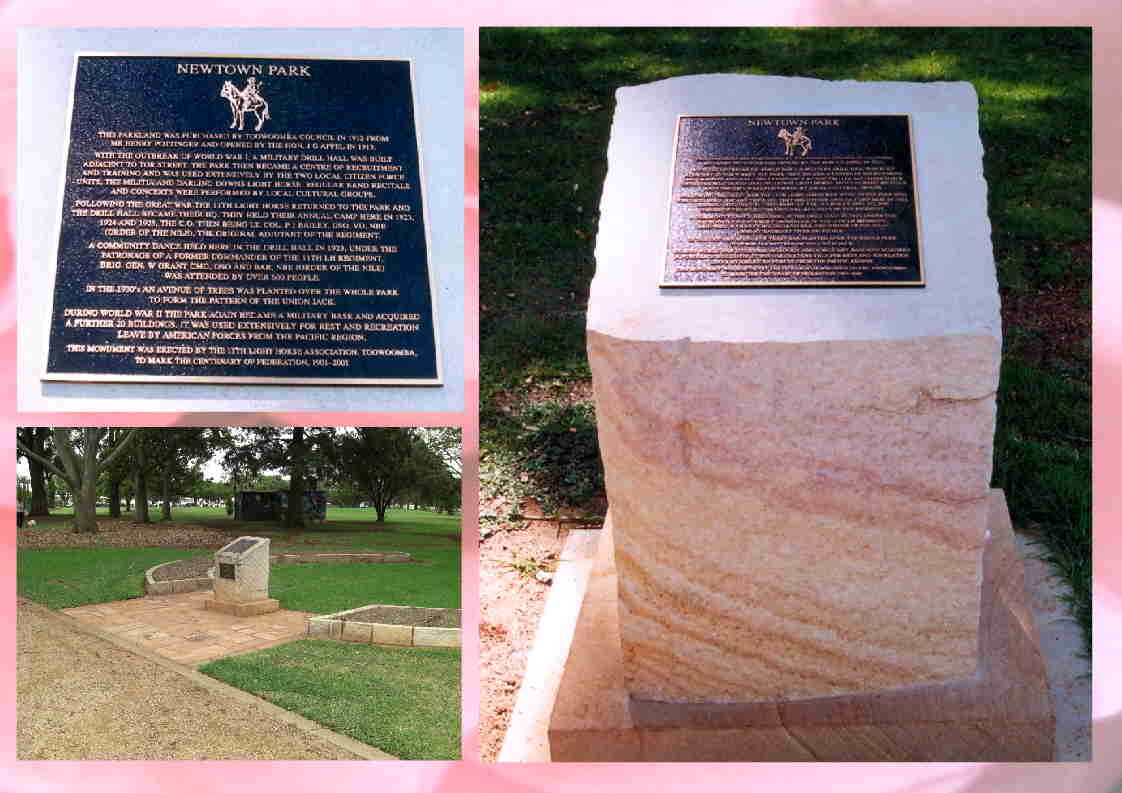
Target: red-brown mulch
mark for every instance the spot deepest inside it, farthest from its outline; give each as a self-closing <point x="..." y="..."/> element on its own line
<point x="510" y="605"/>
<point x="1055" y="322"/>
<point x="124" y="534"/>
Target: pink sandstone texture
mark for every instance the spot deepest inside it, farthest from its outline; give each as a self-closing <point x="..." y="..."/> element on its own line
<point x="799" y="477"/>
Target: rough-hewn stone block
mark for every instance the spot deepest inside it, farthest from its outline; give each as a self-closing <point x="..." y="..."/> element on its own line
<point x="356" y="632"/>
<point x="324" y="629"/>
<point x="436" y="637"/>
<point x="798" y="476"/>
<point x="393" y="634"/>
<point x="1005" y="714"/>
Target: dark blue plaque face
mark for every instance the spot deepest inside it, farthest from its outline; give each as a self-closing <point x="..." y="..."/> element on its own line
<point x="793" y="201"/>
<point x="243" y="219"/>
<point x="239" y="546"/>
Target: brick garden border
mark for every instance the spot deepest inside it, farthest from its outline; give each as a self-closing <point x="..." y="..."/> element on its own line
<point x="338" y="626"/>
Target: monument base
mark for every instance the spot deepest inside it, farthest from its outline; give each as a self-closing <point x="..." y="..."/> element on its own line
<point x="250" y="608"/>
<point x="1004" y="714"/>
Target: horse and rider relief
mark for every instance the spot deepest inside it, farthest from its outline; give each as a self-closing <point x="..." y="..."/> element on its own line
<point x="798" y="138"/>
<point x="248" y="99"/>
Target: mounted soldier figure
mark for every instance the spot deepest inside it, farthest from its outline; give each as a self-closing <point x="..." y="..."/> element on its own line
<point x="249" y="99"/>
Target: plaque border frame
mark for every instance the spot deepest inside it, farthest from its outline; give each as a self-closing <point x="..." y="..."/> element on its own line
<point x="90" y="377"/>
<point x="663" y="283"/>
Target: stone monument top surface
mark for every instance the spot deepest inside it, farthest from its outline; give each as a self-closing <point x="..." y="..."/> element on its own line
<point x="242" y="545"/>
<point x="960" y="295"/>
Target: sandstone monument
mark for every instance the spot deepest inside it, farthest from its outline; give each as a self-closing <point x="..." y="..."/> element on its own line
<point x="241" y="582"/>
<point x="804" y="558"/>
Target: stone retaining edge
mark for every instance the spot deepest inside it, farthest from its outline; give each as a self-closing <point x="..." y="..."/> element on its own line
<point x="310" y="557"/>
<point x="154" y="587"/>
<point x="330" y="627"/>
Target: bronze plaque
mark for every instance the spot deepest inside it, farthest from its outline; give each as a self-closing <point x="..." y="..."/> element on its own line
<point x="243" y="220"/>
<point x="793" y="201"/>
<point x="226" y="570"/>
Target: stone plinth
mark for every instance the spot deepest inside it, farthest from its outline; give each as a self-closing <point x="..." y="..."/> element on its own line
<point x="241" y="581"/>
<point x="798" y="477"/>
<point x="1005" y="714"/>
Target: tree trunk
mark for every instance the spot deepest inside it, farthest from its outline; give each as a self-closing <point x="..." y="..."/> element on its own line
<point x="165" y="495"/>
<point x="298" y="455"/>
<point x="37" y="440"/>
<point x="141" y="485"/>
<point x="85" y="507"/>
<point x="115" y="498"/>
<point x="381" y="510"/>
<point x="83" y="481"/>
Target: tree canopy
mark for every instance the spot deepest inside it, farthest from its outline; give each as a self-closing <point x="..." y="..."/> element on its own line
<point x="381" y="466"/>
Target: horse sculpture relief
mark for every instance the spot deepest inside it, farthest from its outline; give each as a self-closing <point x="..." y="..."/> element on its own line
<point x="796" y="138"/>
<point x="243" y="101"/>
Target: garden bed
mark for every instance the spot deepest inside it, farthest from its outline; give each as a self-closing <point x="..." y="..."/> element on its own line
<point x="192" y="575"/>
<point x="364" y="557"/>
<point x="405" y="626"/>
<point x="183" y="575"/>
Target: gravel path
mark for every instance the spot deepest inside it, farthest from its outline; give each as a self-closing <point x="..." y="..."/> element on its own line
<point x="82" y="698"/>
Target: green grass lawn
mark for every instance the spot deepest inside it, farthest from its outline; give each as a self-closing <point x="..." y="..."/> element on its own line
<point x="324" y="588"/>
<point x="402" y="700"/>
<point x="337" y="518"/>
<point x="546" y="104"/>
<point x="405" y="701"/>
<point x="72" y="577"/>
<point x="77" y="577"/>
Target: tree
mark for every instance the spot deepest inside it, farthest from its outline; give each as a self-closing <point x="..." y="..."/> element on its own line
<point x="297" y="450"/>
<point x="344" y="493"/>
<point x="116" y="475"/>
<point x="298" y="458"/>
<point x="140" y="474"/>
<point x="209" y="492"/>
<point x="177" y="453"/>
<point x="37" y="440"/>
<point x="84" y="457"/>
<point x="23" y="490"/>
<point x="435" y="466"/>
<point x="445" y="443"/>
<point x="379" y="461"/>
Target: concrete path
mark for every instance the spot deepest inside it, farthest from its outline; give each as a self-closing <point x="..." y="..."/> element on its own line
<point x="179" y="628"/>
<point x="84" y="694"/>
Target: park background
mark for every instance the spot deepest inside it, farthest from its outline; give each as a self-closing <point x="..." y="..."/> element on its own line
<point x="157" y="495"/>
<point x="1102" y="774"/>
<point x="547" y="99"/>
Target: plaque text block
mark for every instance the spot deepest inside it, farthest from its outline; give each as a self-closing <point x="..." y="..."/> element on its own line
<point x="243" y="219"/>
<point x="793" y="201"/>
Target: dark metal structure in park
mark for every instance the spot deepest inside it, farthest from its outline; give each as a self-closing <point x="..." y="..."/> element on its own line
<point x="272" y="504"/>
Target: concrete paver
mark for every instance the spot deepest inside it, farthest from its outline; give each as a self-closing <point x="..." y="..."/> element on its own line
<point x="181" y="629"/>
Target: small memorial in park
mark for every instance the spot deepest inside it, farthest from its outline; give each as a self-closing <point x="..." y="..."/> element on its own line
<point x="241" y="580"/>
<point x="243" y="220"/>
<point x="795" y="349"/>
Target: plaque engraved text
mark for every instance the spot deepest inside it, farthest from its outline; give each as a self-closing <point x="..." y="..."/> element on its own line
<point x="245" y="220"/>
<point x="807" y="201"/>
